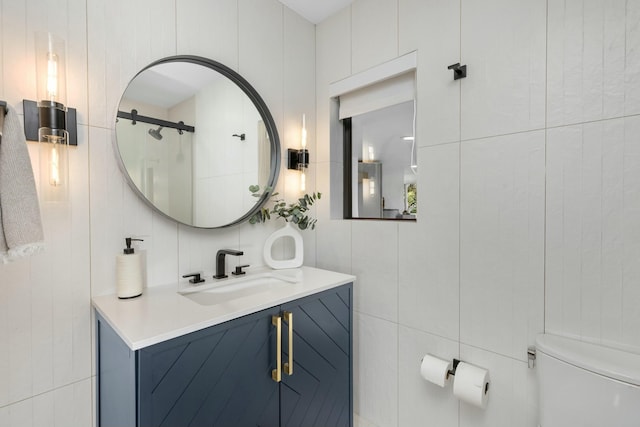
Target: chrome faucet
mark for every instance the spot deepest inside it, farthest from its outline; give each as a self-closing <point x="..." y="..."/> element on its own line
<point x="220" y="267"/>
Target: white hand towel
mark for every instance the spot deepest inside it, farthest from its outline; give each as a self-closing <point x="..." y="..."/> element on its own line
<point x="20" y="224"/>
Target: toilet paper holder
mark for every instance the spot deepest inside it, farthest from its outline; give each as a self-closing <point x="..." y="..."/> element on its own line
<point x="452" y="371"/>
<point x="531" y="357"/>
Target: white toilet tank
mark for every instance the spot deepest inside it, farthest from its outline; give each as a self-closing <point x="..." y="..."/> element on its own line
<point x="586" y="385"/>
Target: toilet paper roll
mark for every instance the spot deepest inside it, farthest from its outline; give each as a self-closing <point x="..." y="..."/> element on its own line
<point x="128" y="276"/>
<point x="435" y="370"/>
<point x="471" y="384"/>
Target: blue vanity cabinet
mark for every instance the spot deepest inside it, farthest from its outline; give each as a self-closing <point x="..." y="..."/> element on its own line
<point x="222" y="375"/>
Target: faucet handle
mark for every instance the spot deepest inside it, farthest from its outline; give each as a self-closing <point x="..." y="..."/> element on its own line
<point x="239" y="271"/>
<point x="196" y="278"/>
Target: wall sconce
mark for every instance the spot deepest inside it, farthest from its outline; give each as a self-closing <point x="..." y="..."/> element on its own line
<point x="48" y="120"/>
<point x="299" y="159"/>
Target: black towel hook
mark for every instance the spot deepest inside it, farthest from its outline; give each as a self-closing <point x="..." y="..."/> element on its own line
<point x="459" y="71"/>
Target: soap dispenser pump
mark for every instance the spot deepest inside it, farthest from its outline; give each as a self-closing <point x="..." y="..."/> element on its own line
<point x="129" y="272"/>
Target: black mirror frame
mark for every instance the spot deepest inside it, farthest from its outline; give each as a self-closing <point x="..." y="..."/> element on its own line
<point x="258" y="102"/>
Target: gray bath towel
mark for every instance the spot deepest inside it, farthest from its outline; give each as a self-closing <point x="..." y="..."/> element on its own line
<point x="20" y="224"/>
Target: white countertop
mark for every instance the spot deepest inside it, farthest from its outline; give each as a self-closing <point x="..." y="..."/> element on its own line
<point x="161" y="313"/>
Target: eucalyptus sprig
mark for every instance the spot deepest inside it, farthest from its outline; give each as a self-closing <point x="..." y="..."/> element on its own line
<point x="292" y="212"/>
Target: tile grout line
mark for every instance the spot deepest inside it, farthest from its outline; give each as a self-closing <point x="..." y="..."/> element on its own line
<point x="397" y="323"/>
<point x="459" y="198"/>
<point x="546" y="160"/>
<point x="537" y="129"/>
<point x="50" y="391"/>
<point x="92" y="354"/>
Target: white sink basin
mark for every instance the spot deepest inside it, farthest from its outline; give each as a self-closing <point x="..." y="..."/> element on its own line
<point x="233" y="288"/>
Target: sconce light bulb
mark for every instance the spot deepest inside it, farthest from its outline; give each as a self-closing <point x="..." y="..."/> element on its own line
<point x="303" y="140"/>
<point x="52" y="76"/>
<point x="303" y="181"/>
<point x="371" y="154"/>
<point x="54" y="167"/>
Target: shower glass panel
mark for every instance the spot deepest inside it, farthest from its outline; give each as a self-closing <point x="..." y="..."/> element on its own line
<point x="161" y="167"/>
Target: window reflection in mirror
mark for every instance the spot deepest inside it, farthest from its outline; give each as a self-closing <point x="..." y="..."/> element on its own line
<point x="381" y="175"/>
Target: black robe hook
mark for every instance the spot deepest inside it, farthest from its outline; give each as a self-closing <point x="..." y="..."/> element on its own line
<point x="459" y="71"/>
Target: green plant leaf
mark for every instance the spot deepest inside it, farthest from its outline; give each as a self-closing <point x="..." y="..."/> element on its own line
<point x="292" y="212"/>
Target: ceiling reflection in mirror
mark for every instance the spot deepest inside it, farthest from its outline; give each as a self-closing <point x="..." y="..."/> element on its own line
<point x="192" y="136"/>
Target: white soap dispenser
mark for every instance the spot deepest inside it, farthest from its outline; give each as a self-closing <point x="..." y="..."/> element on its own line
<point x="129" y="272"/>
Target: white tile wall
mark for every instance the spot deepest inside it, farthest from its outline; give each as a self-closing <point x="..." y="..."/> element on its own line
<point x="502" y="242"/>
<point x="261" y="52"/>
<point x="334" y="246"/>
<point x="428" y="263"/>
<point x="593" y="231"/>
<point x="496" y="195"/>
<point x="375" y="370"/>
<point x="299" y="84"/>
<point x="333" y="62"/>
<point x="359" y="421"/>
<point x="632" y="58"/>
<point x="374" y="34"/>
<point x="503" y="46"/>
<point x="375" y="263"/>
<point x="65" y="406"/>
<point x="203" y="25"/>
<point x="123" y="37"/>
<point x="586" y="55"/>
<point x="432" y="27"/>
<point x="14" y="28"/>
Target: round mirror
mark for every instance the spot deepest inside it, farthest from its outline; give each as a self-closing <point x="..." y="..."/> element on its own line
<point x="192" y="135"/>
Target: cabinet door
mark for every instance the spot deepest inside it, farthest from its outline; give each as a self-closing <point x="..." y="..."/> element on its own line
<point x="318" y="393"/>
<point x="220" y="376"/>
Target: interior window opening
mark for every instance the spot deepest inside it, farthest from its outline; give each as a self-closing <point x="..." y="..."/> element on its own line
<point x="381" y="163"/>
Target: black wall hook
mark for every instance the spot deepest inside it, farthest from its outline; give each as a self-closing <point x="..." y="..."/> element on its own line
<point x="459" y="71"/>
<point x="242" y="136"/>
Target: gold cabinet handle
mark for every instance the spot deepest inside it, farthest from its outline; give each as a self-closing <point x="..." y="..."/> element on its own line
<point x="276" y="374"/>
<point x="288" y="366"/>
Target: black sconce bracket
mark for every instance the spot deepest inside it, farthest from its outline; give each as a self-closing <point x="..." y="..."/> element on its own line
<point x="459" y="71"/>
<point x="3" y="108"/>
<point x="297" y="158"/>
<point x="32" y="122"/>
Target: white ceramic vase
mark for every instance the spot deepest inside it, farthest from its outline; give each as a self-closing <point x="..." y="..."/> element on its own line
<point x="287" y="231"/>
